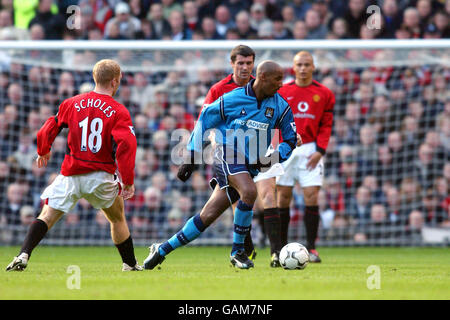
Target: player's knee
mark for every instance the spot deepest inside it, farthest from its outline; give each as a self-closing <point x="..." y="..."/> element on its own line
<point x="269" y="200"/>
<point x="248" y="194"/>
<point x="311" y="196"/>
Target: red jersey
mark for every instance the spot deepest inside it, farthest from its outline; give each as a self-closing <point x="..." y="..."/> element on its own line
<point x="220" y="88"/>
<point x="312" y="107"/>
<point x="100" y="132"/>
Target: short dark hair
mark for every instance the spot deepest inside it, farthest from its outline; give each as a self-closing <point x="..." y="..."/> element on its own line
<point x="243" y="51"/>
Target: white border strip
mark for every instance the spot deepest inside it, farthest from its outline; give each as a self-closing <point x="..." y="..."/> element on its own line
<point x="215" y="45"/>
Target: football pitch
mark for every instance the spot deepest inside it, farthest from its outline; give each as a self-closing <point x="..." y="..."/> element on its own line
<point x="204" y="273"/>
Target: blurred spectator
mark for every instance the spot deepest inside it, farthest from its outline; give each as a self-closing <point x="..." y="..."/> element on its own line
<point x="265" y="30"/>
<point x="209" y="29"/>
<point x="422" y="168"/>
<point x="146" y="31"/>
<point x="410" y="192"/>
<point x="326" y="213"/>
<point x="101" y="11"/>
<point x="7" y="29"/>
<point x="359" y="206"/>
<point x="27" y="215"/>
<point x="142" y="132"/>
<point x="434" y="213"/>
<point x="178" y="29"/>
<point x="160" y="25"/>
<point x="14" y="201"/>
<point x="424" y="10"/>
<point x="127" y="24"/>
<point x="355" y="16"/>
<point x="378" y="227"/>
<point x="223" y="20"/>
<point x="415" y="224"/>
<point x="245" y="30"/>
<point x="183" y="119"/>
<point x="384" y="167"/>
<point x="37" y="180"/>
<point x="25" y="153"/>
<point x="54" y="24"/>
<point x="257" y="15"/>
<point x="141" y="92"/>
<point x="316" y="30"/>
<point x="300" y="7"/>
<point x="6" y="138"/>
<point x="280" y="32"/>
<point x="441" y="21"/>
<point x="66" y="86"/>
<point x="289" y="17"/>
<point x="395" y="212"/>
<point x="411" y="22"/>
<point x="124" y="98"/>
<point x="154" y="209"/>
<point x="339" y="28"/>
<point x="334" y="194"/>
<point x="200" y="191"/>
<point x="169" y="6"/>
<point x="190" y="11"/>
<point x="300" y="31"/>
<point x="392" y="17"/>
<point x="396" y="147"/>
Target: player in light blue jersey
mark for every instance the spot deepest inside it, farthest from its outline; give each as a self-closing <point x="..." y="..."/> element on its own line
<point x="244" y="120"/>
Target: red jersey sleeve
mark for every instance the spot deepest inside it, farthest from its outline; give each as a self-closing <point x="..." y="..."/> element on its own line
<point x="326" y="124"/>
<point x="48" y="132"/>
<point x="123" y="135"/>
<point x="211" y="96"/>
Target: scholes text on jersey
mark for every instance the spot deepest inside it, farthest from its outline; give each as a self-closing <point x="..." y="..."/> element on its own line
<point x="97" y="103"/>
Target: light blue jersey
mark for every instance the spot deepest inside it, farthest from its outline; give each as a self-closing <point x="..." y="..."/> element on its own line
<point x="246" y="126"/>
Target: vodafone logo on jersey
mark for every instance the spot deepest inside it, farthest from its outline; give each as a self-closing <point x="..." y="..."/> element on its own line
<point x="303" y="106"/>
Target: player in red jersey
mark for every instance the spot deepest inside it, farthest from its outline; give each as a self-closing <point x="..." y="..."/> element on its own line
<point x="100" y="132"/>
<point x="312" y="105"/>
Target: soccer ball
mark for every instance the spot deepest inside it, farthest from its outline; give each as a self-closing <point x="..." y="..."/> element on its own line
<point x="294" y="256"/>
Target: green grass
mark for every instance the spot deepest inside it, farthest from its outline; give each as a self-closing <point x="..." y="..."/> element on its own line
<point x="198" y="273"/>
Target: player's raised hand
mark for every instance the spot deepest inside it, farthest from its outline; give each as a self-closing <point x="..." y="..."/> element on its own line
<point x="299" y="140"/>
<point x="43" y="160"/>
<point x="128" y="192"/>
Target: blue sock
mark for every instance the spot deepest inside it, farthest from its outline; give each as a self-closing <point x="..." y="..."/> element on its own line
<point x="242" y="223"/>
<point x="191" y="230"/>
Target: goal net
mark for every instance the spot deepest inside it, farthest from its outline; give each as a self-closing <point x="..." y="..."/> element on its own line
<point x="387" y="167"/>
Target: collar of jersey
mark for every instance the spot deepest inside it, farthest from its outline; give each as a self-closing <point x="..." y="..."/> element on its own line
<point x="249" y="90"/>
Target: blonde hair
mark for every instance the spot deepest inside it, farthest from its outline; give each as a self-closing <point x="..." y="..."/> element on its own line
<point x="105" y="70"/>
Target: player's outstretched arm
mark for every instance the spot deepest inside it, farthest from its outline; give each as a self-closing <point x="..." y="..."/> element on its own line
<point x="42" y="161"/>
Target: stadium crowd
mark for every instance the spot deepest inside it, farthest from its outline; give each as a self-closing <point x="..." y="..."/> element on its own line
<point x="230" y="19"/>
<point x="388" y="160"/>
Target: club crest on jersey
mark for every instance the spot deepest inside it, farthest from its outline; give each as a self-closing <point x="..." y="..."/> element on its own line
<point x="316" y="98"/>
<point x="243" y="112"/>
<point x="303" y="106"/>
<point x="269" y="112"/>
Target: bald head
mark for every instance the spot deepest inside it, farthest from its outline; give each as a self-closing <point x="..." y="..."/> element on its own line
<point x="268" y="67"/>
<point x="303" y="54"/>
<point x="269" y="78"/>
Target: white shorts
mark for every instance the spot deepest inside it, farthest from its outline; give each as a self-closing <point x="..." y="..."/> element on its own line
<point x="295" y="168"/>
<point x="99" y="188"/>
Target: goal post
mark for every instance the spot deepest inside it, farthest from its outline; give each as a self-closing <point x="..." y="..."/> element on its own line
<point x="387" y="167"/>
